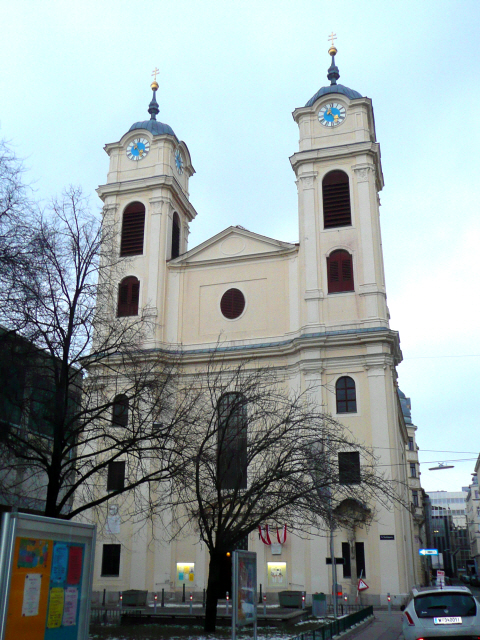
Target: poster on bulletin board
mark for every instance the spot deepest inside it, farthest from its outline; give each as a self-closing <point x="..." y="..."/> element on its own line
<point x="46" y="568"/>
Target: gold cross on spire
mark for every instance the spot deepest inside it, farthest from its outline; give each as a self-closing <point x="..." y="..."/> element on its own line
<point x="333" y="49"/>
<point x="154" y="74"/>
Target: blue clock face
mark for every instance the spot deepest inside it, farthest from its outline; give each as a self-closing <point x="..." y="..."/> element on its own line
<point x="138" y="149"/>
<point x="179" y="161"/>
<point x="332" y="114"/>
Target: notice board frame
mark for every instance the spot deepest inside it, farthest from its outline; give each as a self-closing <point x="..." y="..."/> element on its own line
<point x="244" y="590"/>
<point x="21" y="526"/>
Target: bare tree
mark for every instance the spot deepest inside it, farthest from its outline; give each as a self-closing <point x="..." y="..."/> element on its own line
<point x="261" y="453"/>
<point x="84" y="394"/>
<point x="16" y="209"/>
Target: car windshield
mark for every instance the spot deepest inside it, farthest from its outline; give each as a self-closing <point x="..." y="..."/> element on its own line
<point x="433" y="605"/>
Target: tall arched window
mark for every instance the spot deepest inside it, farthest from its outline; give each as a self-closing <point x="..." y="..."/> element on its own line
<point x="232" y="441"/>
<point x="340" y="271"/>
<point x="133" y="227"/>
<point x="128" y="296"/>
<point x="336" y="200"/>
<point x="346" y="395"/>
<point x="120" y="410"/>
<point x="175" y="236"/>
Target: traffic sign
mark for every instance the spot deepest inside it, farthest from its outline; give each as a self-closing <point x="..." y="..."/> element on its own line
<point x="362" y="585"/>
<point x="428" y="552"/>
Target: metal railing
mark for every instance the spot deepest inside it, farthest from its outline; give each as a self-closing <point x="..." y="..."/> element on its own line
<point x="330" y="629"/>
<point x="105" y="615"/>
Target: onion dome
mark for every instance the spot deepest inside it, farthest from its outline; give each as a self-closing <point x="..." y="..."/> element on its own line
<point x="155" y="127"/>
<point x="333" y="75"/>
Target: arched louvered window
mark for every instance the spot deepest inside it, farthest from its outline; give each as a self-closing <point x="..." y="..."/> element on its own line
<point x="340" y="272"/>
<point x="346" y="395"/>
<point x="128" y="296"/>
<point x="336" y="200"/>
<point x="133" y="228"/>
<point x="120" y="410"/>
<point x="232" y="441"/>
<point x="232" y="304"/>
<point x="175" y="236"/>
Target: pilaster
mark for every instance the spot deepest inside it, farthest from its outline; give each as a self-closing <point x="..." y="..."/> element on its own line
<point x="307" y="185"/>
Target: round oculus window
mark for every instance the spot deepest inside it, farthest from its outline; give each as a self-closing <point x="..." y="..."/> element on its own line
<point x="232" y="304"/>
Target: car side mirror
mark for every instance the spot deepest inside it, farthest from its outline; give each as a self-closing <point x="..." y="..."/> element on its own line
<point x="402" y="608"/>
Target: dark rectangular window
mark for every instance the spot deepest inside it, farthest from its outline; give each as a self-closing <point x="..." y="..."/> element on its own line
<point x="415" y="498"/>
<point x="413" y="470"/>
<point x="340" y="272"/>
<point x="349" y="467"/>
<point x="116" y="476"/>
<point x="133" y="230"/>
<point x="360" y="556"/>
<point x="336" y="200"/>
<point x="347" y="567"/>
<point x="411" y="446"/>
<point x="232" y="441"/>
<point x="111" y="560"/>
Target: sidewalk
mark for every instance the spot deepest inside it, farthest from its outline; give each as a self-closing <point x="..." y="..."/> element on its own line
<point x="385" y="627"/>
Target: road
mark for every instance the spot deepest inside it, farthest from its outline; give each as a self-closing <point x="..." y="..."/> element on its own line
<point x="386" y="626"/>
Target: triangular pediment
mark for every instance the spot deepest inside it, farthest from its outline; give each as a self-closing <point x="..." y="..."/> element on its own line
<point x="234" y="243"/>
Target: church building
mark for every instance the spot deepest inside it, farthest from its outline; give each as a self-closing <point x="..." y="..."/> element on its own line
<point x="317" y="308"/>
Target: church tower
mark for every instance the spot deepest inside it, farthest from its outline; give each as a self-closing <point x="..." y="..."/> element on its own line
<point x="146" y="196"/>
<point x="339" y="175"/>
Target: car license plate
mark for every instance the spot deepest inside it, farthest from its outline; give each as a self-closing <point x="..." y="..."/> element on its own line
<point x="451" y="620"/>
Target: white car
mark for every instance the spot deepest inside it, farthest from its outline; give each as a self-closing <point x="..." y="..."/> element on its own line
<point x="433" y="612"/>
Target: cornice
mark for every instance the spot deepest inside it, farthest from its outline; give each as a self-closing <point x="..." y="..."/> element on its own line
<point x="212" y="262"/>
<point x="293" y="347"/>
<point x="147" y="184"/>
<point x="338" y="152"/>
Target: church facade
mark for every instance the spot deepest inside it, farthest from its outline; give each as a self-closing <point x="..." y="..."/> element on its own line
<point x="316" y="308"/>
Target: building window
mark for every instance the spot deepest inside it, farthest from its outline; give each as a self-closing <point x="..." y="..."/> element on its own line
<point x="349" y="467"/>
<point x="133" y="228"/>
<point x="116" y="476"/>
<point x="346" y="395"/>
<point x="347" y="567"/>
<point x="111" y="560"/>
<point x="175" y="236"/>
<point x="415" y="498"/>
<point x="411" y="445"/>
<point x="360" y="557"/>
<point x="128" y="297"/>
<point x="232" y="304"/>
<point x="340" y="272"/>
<point x="413" y="470"/>
<point x="336" y="200"/>
<point x="120" y="410"/>
<point x="232" y="441"/>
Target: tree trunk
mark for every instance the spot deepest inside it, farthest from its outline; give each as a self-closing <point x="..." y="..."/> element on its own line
<point x="213" y="588"/>
<point x="53" y="491"/>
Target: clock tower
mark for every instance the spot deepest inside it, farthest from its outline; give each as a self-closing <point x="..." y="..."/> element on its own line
<point x="146" y="196"/>
<point x="339" y="175"/>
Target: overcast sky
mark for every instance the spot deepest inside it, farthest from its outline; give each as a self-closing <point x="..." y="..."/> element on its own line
<point x="76" y="75"/>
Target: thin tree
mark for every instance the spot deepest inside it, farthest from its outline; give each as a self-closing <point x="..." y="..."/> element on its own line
<point x="16" y="208"/>
<point x="82" y="392"/>
<point x="259" y="453"/>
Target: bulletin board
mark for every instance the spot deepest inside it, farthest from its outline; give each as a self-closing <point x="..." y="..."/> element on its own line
<point x="46" y="568"/>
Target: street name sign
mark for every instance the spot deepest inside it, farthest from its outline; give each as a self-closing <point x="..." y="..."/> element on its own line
<point x="428" y="552"/>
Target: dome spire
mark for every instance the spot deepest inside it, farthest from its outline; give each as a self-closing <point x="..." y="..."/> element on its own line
<point x="333" y="74"/>
<point x="153" y="109"/>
